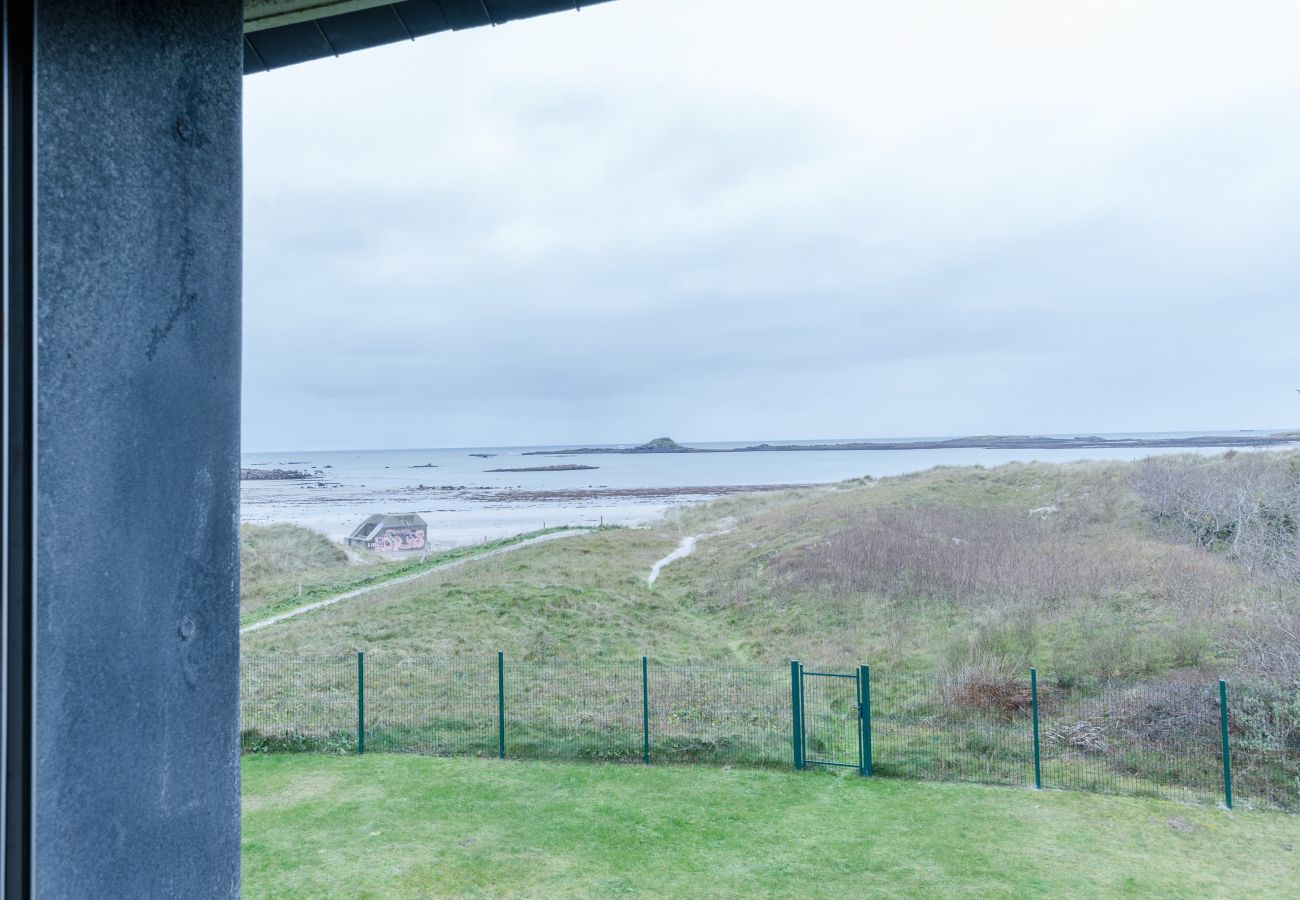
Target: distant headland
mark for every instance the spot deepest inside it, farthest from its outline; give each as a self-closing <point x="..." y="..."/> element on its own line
<point x="566" y="468"/>
<point x="981" y="442"/>
<point x="658" y="445"/>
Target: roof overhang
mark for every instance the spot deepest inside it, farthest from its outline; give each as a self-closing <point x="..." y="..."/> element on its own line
<point x="283" y="32"/>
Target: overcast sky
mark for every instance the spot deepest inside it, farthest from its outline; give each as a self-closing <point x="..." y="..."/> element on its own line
<point x="751" y="219"/>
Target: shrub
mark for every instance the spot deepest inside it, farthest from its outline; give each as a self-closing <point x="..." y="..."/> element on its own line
<point x="1083" y="735"/>
<point x="282" y="549"/>
<point x="999" y="694"/>
<point x="1243" y="505"/>
<point x="1172" y="711"/>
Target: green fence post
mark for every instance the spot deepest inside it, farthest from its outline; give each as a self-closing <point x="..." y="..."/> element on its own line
<point x="803" y="721"/>
<point x="1223" y="730"/>
<point x="1033" y="699"/>
<point x="645" y="710"/>
<point x="864" y="680"/>
<point x="501" y="704"/>
<point x="361" y="701"/>
<point x="796" y="714"/>
<point x="857" y="706"/>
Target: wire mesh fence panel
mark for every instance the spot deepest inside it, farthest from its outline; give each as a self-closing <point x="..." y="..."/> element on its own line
<point x="951" y="728"/>
<point x="1153" y="739"/>
<point x="724" y="715"/>
<point x="830" y="719"/>
<point x="573" y="710"/>
<point x="438" y="707"/>
<point x="1264" y="734"/>
<point x="297" y="704"/>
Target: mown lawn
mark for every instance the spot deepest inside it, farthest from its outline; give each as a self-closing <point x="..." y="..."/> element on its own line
<point x="402" y="826"/>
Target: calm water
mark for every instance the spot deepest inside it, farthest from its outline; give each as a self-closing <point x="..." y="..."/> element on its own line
<point x="356" y="483"/>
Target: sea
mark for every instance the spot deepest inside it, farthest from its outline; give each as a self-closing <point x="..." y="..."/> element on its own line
<point x="464" y="502"/>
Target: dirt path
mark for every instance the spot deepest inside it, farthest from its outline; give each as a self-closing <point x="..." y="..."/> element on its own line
<point x="455" y="563"/>
<point x="684" y="549"/>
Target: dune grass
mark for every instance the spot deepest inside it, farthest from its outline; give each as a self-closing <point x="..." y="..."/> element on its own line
<point x="1025" y="564"/>
<point x="400" y="826"/>
<point x="548" y="601"/>
<point x="286" y="566"/>
<point x="967" y="574"/>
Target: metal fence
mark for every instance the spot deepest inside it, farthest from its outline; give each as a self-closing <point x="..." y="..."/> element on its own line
<point x="1185" y="740"/>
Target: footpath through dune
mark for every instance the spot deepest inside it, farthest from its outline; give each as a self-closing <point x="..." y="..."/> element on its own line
<point x="455" y="563"/>
<point x="684" y="549"/>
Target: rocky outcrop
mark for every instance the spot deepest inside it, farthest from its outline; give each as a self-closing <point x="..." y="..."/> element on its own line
<point x="274" y="475"/>
<point x="658" y="445"/>
<point x="661" y="445"/>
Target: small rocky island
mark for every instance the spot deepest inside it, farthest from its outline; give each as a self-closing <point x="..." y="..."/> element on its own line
<point x="658" y="445"/>
<point x="662" y="445"/>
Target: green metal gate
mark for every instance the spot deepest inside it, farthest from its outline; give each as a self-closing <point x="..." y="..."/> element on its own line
<point x="832" y="718"/>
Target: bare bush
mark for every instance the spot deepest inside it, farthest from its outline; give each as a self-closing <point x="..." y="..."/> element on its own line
<point x="1244" y="505"/>
<point x="975" y="558"/>
<point x="1155" y="713"/>
<point x="1083" y="736"/>
<point x="1002" y="695"/>
<point x="1269" y="647"/>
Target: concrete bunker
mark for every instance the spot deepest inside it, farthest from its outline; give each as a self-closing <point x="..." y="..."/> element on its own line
<point x="391" y="532"/>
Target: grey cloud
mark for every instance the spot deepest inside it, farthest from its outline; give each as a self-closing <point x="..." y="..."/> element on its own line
<point x="556" y="243"/>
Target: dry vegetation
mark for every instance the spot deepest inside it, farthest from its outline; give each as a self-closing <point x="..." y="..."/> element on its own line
<point x="1059" y="566"/>
<point x="275" y="558"/>
<point x="950" y="583"/>
<point x="1244" y="507"/>
<point x="1092" y="596"/>
<point x="1081" y="569"/>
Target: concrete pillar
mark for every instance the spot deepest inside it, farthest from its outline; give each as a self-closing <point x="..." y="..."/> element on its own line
<point x="136" y="766"/>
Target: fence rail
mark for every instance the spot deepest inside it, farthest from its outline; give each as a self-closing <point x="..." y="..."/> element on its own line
<point x="1186" y="740"/>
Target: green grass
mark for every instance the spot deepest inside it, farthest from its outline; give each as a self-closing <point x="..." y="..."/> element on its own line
<point x="1090" y="592"/>
<point x="951" y="571"/>
<point x="590" y="597"/>
<point x="309" y="580"/>
<point x="400" y="826"/>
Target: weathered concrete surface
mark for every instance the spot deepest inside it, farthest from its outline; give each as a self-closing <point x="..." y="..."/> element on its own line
<point x="138" y="281"/>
